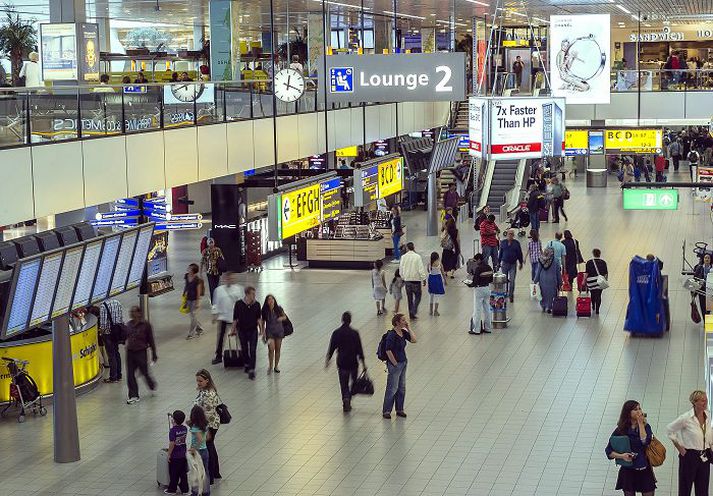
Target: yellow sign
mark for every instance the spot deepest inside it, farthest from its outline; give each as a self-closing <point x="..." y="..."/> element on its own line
<point x="350" y="151"/>
<point x="299" y="210"/>
<point x="391" y="178"/>
<point x="633" y="140"/>
<point x="85" y="361"/>
<point x="576" y="139"/>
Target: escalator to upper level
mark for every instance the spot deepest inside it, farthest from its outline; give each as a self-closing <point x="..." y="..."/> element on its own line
<point x="504" y="178"/>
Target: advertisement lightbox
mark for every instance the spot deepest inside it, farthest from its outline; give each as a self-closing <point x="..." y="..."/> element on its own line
<point x="58" y="51"/>
<point x="477" y="116"/>
<point x="88" y="47"/>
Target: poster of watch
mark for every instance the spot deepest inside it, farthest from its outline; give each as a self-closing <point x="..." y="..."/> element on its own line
<point x="580" y="58"/>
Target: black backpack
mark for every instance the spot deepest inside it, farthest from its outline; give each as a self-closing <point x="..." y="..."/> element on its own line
<point x="381" y="349"/>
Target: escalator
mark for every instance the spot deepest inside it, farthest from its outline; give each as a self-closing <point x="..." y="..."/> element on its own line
<point x="504" y="176"/>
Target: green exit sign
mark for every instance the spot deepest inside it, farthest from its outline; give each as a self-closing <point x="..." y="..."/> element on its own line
<point x="650" y="199"/>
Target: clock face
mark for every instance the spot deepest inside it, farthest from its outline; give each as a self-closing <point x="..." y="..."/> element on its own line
<point x="188" y="92"/>
<point x="289" y="85"/>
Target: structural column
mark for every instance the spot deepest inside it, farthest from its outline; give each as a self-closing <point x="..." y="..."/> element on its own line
<point x="64" y="411"/>
<point x="68" y="11"/>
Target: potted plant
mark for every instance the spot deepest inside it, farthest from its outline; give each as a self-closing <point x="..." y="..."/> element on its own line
<point x="18" y="38"/>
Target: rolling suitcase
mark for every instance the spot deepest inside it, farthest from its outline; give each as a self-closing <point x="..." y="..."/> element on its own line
<point x="545" y="214"/>
<point x="559" y="306"/>
<point x="232" y="357"/>
<point x="582" y="282"/>
<point x="162" y="475"/>
<point x="584" y="305"/>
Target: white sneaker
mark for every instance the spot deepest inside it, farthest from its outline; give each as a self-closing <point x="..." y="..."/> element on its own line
<point x="131" y="401"/>
<point x="190" y="336"/>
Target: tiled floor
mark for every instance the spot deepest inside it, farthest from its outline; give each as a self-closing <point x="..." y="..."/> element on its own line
<point x="525" y="411"/>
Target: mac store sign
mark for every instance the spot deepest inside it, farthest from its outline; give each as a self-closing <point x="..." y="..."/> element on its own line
<point x="422" y="77"/>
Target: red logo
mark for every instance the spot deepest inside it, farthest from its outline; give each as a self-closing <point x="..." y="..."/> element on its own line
<point x="474" y="145"/>
<point x="516" y="148"/>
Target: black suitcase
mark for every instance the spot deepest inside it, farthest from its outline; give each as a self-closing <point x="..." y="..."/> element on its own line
<point x="232" y="357"/>
<point x="559" y="306"/>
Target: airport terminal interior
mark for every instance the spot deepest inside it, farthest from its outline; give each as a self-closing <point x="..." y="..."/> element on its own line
<point x="310" y="141"/>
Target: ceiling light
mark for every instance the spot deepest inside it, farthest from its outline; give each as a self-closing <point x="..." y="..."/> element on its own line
<point x="635" y="17"/>
<point x="448" y="23"/>
<point x="479" y="3"/>
<point x="647" y="25"/>
<point x="518" y="14"/>
<point x="623" y="9"/>
<point x="409" y="16"/>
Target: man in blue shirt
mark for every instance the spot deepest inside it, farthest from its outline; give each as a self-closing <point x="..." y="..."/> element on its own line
<point x="509" y="257"/>
<point x="560" y="251"/>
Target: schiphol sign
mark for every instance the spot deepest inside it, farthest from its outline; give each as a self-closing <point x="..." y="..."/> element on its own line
<point x="422" y="77"/>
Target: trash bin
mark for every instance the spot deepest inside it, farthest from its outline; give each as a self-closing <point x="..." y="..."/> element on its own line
<point x="498" y="300"/>
<point x="596" y="178"/>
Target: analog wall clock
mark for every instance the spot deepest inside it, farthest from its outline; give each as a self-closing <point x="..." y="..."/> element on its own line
<point x="289" y="85"/>
<point x="188" y="92"/>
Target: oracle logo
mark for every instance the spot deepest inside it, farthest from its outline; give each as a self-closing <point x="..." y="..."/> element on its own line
<point x="517" y="148"/>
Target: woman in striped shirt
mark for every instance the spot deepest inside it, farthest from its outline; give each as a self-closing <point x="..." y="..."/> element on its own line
<point x="534" y="250"/>
<point x="594" y="268"/>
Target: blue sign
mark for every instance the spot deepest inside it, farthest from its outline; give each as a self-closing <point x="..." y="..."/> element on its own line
<point x="155" y="205"/>
<point x="130" y="221"/>
<point x="175" y="226"/>
<point x="157" y="216"/>
<point x="133" y="202"/>
<point x="249" y="172"/>
<point x="185" y="217"/>
<point x="334" y="183"/>
<point x="341" y="79"/>
<point x="136" y="89"/>
<point x="119" y="214"/>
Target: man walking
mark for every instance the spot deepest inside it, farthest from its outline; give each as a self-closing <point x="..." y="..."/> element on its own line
<point x="559" y="249"/>
<point x="246" y="318"/>
<point x="510" y="256"/>
<point x="675" y="150"/>
<point x="693" y="158"/>
<point x="489" y="231"/>
<point x="517" y="68"/>
<point x="224" y="299"/>
<point x="139" y="339"/>
<point x="347" y="343"/>
<point x="413" y="273"/>
<point x="482" y="275"/>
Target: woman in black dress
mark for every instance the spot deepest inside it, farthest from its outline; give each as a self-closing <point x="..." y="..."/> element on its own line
<point x="451" y="248"/>
<point x="572" y="257"/>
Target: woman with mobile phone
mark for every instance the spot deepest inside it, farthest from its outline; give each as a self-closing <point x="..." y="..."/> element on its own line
<point x="635" y="474"/>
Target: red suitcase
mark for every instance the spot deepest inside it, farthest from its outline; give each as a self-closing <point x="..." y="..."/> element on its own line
<point x="581" y="282"/>
<point x="584" y="306"/>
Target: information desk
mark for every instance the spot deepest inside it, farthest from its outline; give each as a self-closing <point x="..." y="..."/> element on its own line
<point x="344" y="253"/>
<point x="36" y="348"/>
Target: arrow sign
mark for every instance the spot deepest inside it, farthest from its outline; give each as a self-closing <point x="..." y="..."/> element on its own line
<point x="121" y="214"/>
<point x="666" y="200"/>
<point x="178" y="226"/>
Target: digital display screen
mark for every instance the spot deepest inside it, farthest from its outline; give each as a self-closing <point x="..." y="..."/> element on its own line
<point x="141" y="253"/>
<point x="123" y="263"/>
<point x="67" y="280"/>
<point x="26" y="274"/>
<point x="331" y="198"/>
<point x="369" y="184"/>
<point x="42" y="306"/>
<point x="106" y="268"/>
<point x="90" y="262"/>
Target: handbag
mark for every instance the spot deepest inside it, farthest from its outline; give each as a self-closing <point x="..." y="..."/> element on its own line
<point x="695" y="314"/>
<point x="363" y="385"/>
<point x="223" y="413"/>
<point x="655" y="452"/>
<point x="184" y="305"/>
<point x="118" y="332"/>
<point x="602" y="282"/>
<point x="287" y="326"/>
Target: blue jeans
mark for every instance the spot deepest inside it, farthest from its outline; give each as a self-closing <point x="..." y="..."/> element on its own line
<point x="511" y="271"/>
<point x="535" y="221"/>
<point x="396" y="238"/>
<point x="492" y="253"/>
<point x="206" y="485"/>
<point x="395" y="387"/>
<point x="534" y="270"/>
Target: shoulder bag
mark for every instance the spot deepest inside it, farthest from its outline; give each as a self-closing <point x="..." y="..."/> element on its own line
<point x="602" y="282"/>
<point x="222" y="411"/>
<point x="287" y="326"/>
<point x="117" y="331"/>
<point x="655" y="452"/>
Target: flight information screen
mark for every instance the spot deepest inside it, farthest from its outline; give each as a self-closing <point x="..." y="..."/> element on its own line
<point x="88" y="271"/>
<point x="106" y="268"/>
<point x="141" y="254"/>
<point x="123" y="263"/>
<point x="67" y="280"/>
<point x="41" y="307"/>
<point x="26" y="274"/>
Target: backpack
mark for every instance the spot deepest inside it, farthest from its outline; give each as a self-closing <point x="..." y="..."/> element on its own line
<point x="381" y="349"/>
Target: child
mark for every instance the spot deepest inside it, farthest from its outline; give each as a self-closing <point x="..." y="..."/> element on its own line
<point x="378" y="285"/>
<point x="199" y="427"/>
<point x="436" y="282"/>
<point x="177" y="465"/>
<point x="395" y="290"/>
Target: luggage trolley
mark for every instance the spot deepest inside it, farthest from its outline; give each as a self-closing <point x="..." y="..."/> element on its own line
<point x="24" y="393"/>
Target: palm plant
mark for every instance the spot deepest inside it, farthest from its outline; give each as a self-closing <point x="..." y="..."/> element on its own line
<point x="18" y="38"/>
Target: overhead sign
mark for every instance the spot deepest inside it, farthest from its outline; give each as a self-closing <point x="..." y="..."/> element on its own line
<point x="576" y="142"/>
<point x="330" y="198"/>
<point x="420" y="77"/>
<point x="391" y="177"/>
<point x="518" y="128"/>
<point x="350" y="151"/>
<point x="580" y="57"/>
<point x="633" y="140"/>
<point x="650" y="199"/>
<point x="300" y="210"/>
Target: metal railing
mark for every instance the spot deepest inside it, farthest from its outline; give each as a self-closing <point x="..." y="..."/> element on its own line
<point x="30" y="116"/>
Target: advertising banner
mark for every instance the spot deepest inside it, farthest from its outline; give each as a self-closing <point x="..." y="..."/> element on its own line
<point x="424" y="77"/>
<point x="88" y="47"/>
<point x="221" y="67"/>
<point x="300" y="210"/>
<point x="477" y="114"/>
<point x="58" y="51"/>
<point x="633" y="141"/>
<point x="580" y="57"/>
<point x="391" y="177"/>
<point x="576" y="142"/>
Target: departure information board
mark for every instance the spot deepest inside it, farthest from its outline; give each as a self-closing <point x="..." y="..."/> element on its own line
<point x="49" y="274"/>
<point x="23" y="287"/>
<point x="331" y="198"/>
<point x="369" y="185"/>
<point x="106" y="268"/>
<point x="67" y="280"/>
<point x="143" y="243"/>
<point x="88" y="271"/>
<point x="123" y="263"/>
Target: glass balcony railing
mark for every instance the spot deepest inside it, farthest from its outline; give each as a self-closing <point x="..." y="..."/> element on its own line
<point x="31" y="116"/>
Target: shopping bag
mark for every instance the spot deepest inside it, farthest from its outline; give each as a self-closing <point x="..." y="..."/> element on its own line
<point x="184" y="305"/>
<point x="535" y="293"/>
<point x="566" y="285"/>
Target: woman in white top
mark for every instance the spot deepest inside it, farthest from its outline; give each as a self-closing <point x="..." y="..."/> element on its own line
<point x="692" y="436"/>
<point x="31" y="71"/>
<point x="378" y="286"/>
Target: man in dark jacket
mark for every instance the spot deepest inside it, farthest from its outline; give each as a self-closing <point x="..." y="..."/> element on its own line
<point x="138" y="340"/>
<point x="509" y="257"/>
<point x="347" y="343"/>
<point x="535" y="201"/>
<point x="482" y="275"/>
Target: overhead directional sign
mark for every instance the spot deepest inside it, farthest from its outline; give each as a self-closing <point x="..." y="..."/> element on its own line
<point x="300" y="210"/>
<point x="422" y="77"/>
<point x="650" y="199"/>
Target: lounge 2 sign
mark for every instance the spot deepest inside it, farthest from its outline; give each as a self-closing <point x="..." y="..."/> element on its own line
<point x="423" y="77"/>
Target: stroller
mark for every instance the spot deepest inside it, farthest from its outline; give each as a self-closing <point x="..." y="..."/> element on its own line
<point x="520" y="219"/>
<point x="24" y="393"/>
